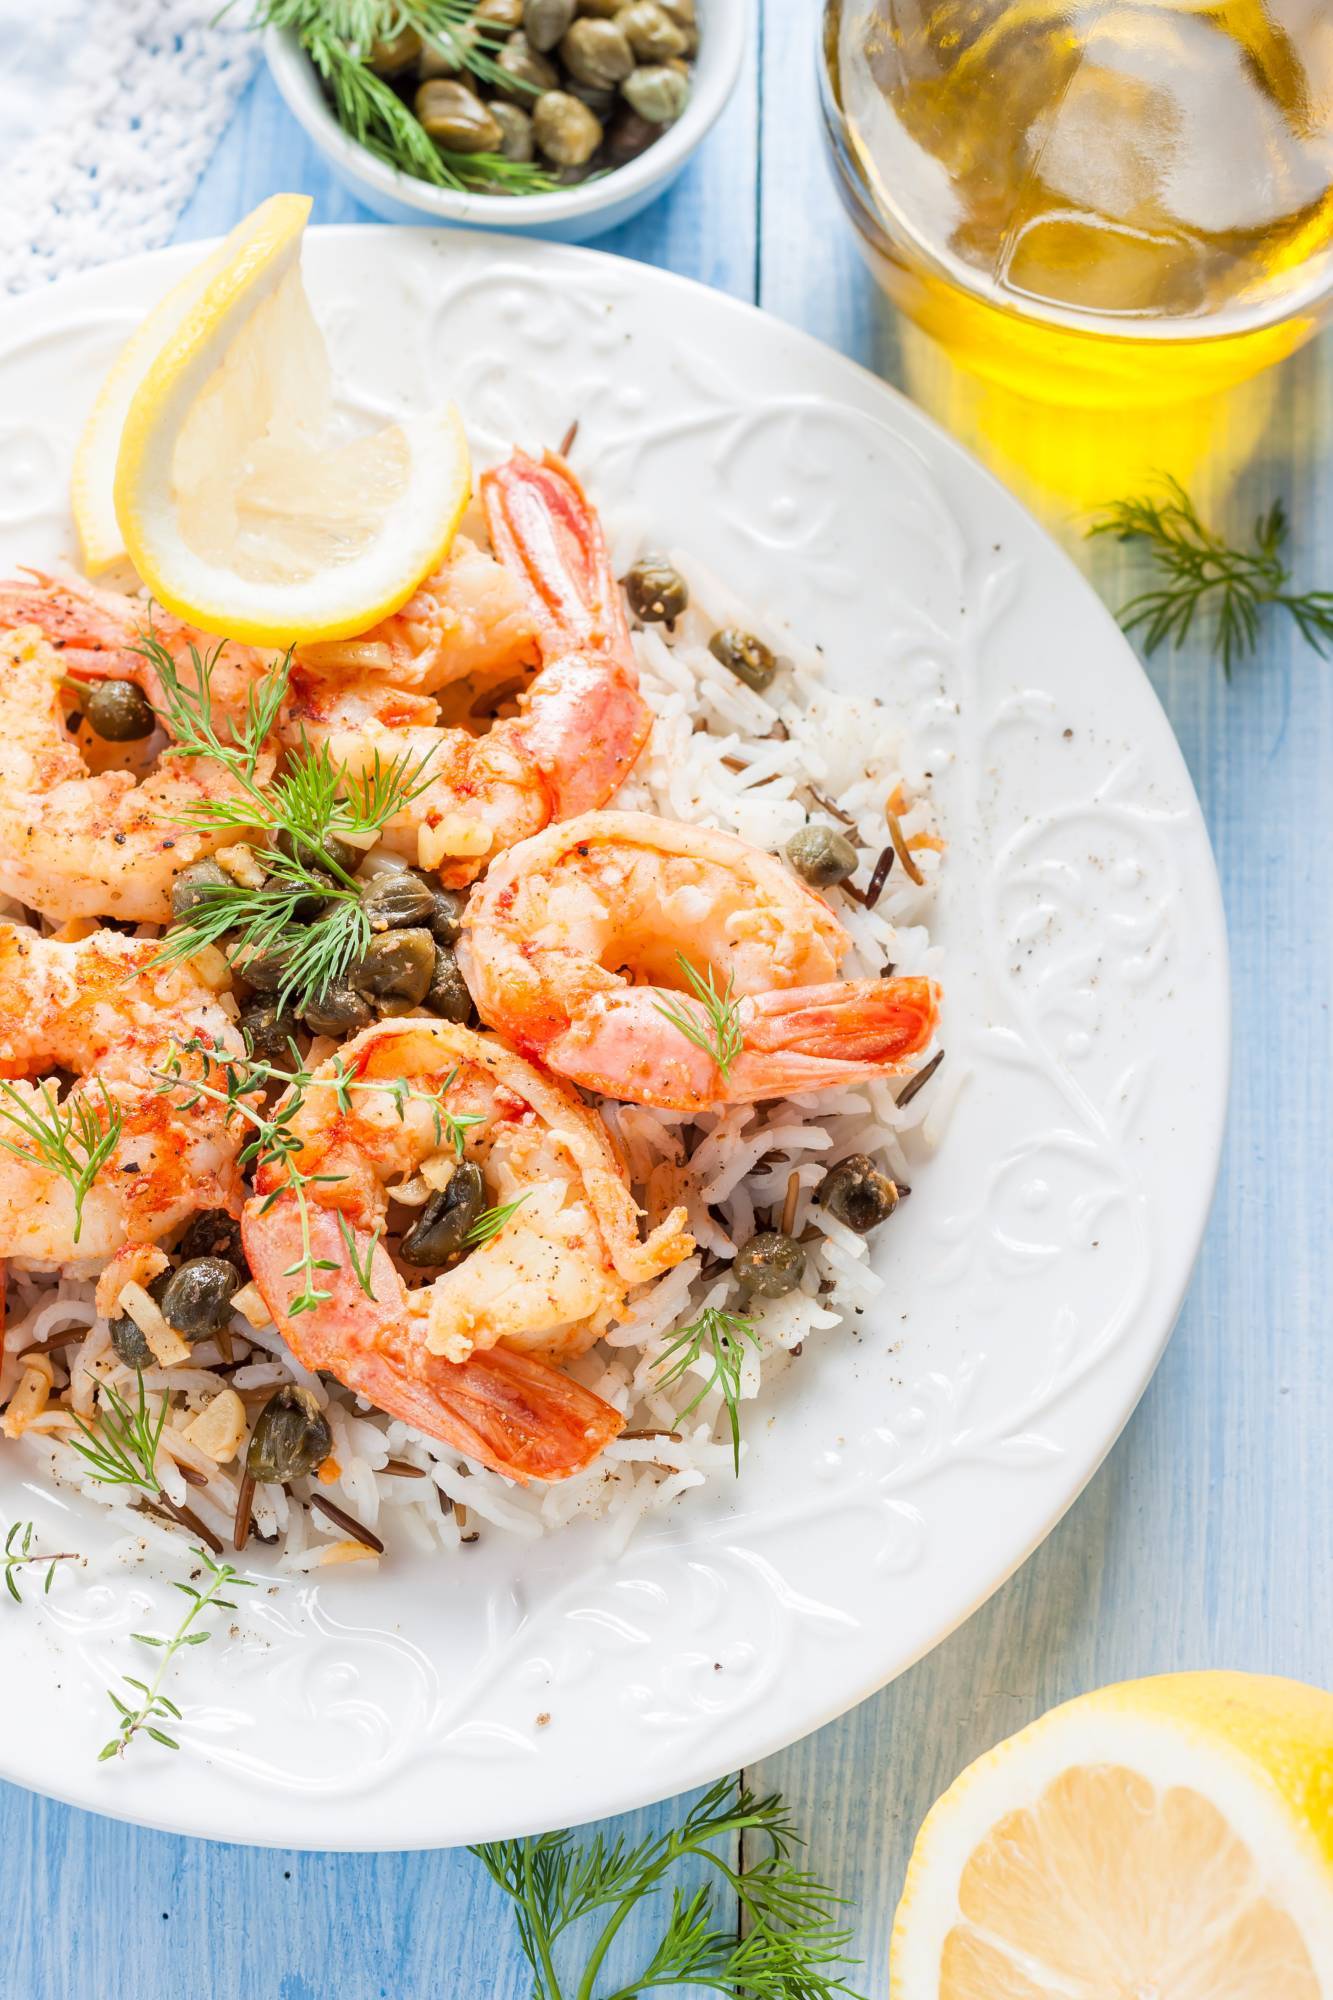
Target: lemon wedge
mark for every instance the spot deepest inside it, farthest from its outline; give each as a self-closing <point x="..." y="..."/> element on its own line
<point x="241" y="506"/>
<point x="1166" y="1839"/>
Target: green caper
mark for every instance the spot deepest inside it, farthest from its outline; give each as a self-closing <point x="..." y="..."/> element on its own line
<point x="447" y="994"/>
<point x="197" y="1298"/>
<point x="628" y="135"/>
<point x="683" y="12"/>
<point x="338" y="1010"/>
<point x="821" y="855"/>
<point x="398" y="965"/>
<point x="437" y="61"/>
<point x="657" y="92"/>
<point x="596" y="52"/>
<point x="190" y="885"/>
<point x="439" y="1233"/>
<point x="127" y="1335"/>
<point x="601" y="10"/>
<point x="506" y="14"/>
<point x="516" y="141"/>
<point x="268" y="1030"/>
<point x="857" y="1193"/>
<point x="769" y="1266"/>
<point x="213" y="1233"/>
<point x="291" y="1437"/>
<point x="651" y="32"/>
<point x="340" y="852"/>
<point x="264" y="970"/>
<point x="118" y="711"/>
<point x="392" y="900"/>
<point x="447" y="922"/>
<point x="745" y="656"/>
<point x="545" y="21"/>
<point x="389" y="55"/>
<point x="531" y="72"/>
<point x="601" y="103"/>
<point x="455" y="117"/>
<point x="657" y="591"/>
<point x="565" y="130"/>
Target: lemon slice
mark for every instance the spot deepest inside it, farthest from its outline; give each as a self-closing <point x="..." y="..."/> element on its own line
<point x="241" y="507"/>
<point x="1167" y="1839"/>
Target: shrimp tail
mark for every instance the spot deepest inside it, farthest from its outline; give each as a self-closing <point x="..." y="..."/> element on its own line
<point x="84" y="631"/>
<point x="808" y="1037"/>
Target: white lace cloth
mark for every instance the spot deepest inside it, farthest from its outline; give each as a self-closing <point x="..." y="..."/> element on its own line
<point x="109" y="111"/>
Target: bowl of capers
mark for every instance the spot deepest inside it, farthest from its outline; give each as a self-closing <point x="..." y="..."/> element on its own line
<point x="560" y="118"/>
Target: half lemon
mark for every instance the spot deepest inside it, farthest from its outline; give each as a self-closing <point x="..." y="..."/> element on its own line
<point x="242" y="507"/>
<point x="1166" y="1839"/>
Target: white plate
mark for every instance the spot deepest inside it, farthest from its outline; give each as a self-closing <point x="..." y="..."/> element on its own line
<point x="900" y="1472"/>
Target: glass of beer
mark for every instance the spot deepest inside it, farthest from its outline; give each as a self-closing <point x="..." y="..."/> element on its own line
<point x="1097" y="202"/>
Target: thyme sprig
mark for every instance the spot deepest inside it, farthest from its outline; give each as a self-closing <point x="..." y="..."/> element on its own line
<point x="337" y="36"/>
<point x="718" y="1030"/>
<point x="74" y="1139"/>
<point x="788" y="1944"/>
<point x="18" y="1558"/>
<point x="719" y="1337"/>
<point x="1204" y="573"/>
<point x="152" y="1706"/>
<point x="304" y="813"/>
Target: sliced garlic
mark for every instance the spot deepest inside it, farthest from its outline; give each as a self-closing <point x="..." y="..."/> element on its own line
<point x="220" y="1427"/>
<point x="167" y="1346"/>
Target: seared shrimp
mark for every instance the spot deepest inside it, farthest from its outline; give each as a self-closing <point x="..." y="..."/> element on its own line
<point x="582" y="720"/>
<point x="574" y="935"/>
<point x="75" y="844"/>
<point x="100" y="1009"/>
<point x="469" y="1355"/>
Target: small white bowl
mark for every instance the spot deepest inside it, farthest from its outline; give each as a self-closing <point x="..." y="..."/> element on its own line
<point x="570" y="215"/>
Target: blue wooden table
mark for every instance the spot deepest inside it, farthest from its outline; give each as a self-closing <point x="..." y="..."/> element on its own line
<point x="1207" y="1539"/>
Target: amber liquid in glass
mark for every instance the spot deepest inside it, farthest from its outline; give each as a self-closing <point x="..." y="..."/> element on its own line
<point x="1122" y="199"/>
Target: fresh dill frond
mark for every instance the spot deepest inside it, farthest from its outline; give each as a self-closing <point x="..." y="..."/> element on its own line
<point x="719" y="1337"/>
<point x="787" y="1944"/>
<point x="361" y="1266"/>
<point x="1204" y="573"/>
<point x="718" y="1030"/>
<point x="18" y="1558"/>
<point x="150" y="1707"/>
<point x="74" y="1139"/>
<point x="121" y="1445"/>
<point x="491" y="1221"/>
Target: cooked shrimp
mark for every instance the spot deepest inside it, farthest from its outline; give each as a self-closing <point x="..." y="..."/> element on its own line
<point x="582" y="720"/>
<point x="100" y="1009"/>
<point x="469" y="1355"/>
<point x="574" y="935"/>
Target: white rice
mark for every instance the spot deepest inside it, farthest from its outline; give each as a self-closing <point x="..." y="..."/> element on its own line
<point x="720" y="755"/>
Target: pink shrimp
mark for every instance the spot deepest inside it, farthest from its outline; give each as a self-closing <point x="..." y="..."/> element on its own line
<point x="573" y="950"/>
<point x="581" y="720"/>
<point x="469" y="1355"/>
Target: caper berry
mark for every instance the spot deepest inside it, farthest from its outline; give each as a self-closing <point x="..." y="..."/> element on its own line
<point x="857" y="1193"/>
<point x="545" y="21"/>
<point x="821" y="855"/>
<point x="127" y="1335"/>
<point x="745" y="656"/>
<point x="340" y="852"/>
<point x="596" y="52"/>
<point x="439" y="1233"/>
<point x="118" y="711"/>
<point x="769" y="1266"/>
<point x="389" y="55"/>
<point x="455" y="117"/>
<point x="516" y="141"/>
<point x="189" y="886"/>
<point x="531" y="72"/>
<point x="657" y="92"/>
<point x="212" y="1232"/>
<point x="564" y="129"/>
<point x="398" y="965"/>
<point x="447" y="994"/>
<point x="391" y="901"/>
<point x="657" y="591"/>
<point x="268" y="1030"/>
<point x="338" y="1010"/>
<point x="651" y="32"/>
<point x="197" y="1297"/>
<point x="291" y="1437"/>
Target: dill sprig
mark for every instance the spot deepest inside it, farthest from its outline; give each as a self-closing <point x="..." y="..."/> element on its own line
<point x="719" y="1337"/>
<point x="152" y="1706"/>
<point x="718" y="1030"/>
<point x="491" y="1221"/>
<point x="304" y="812"/>
<point x="787" y="1944"/>
<point x="122" y="1446"/>
<point x="337" y="36"/>
<point x="74" y="1139"/>
<point x="1203" y="572"/>
<point x="22" y="1532"/>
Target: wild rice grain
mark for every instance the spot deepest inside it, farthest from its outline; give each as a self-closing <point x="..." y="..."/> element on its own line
<point x="915" y="1083"/>
<point x="344" y="1521"/>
